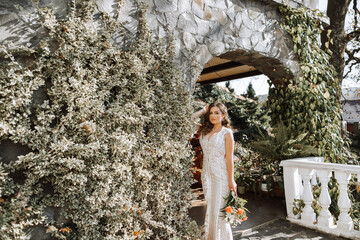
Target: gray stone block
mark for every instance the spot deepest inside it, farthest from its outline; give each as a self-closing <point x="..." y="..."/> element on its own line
<point x="184" y="6"/>
<point x="247" y="21"/>
<point x="197" y="10"/>
<point x="216" y="48"/>
<point x="253" y="13"/>
<point x="203" y="55"/>
<point x="171" y="19"/>
<point x="216" y="3"/>
<point x="219" y="15"/>
<point x="189" y="41"/>
<point x="245" y="32"/>
<point x="203" y="26"/>
<point x="166" y="5"/>
<point x="260" y="25"/>
<point x="187" y="23"/>
<point x="231" y="13"/>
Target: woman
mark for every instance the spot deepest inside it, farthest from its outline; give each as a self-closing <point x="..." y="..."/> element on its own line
<point x="217" y="176"/>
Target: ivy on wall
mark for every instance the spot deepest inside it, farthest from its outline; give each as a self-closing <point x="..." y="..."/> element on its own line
<point x="108" y="137"/>
<point x="310" y="103"/>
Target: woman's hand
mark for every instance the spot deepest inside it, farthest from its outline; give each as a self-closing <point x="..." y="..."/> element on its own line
<point x="232" y="186"/>
<point x="205" y="108"/>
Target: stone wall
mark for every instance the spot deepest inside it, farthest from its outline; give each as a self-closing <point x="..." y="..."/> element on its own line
<point x="246" y="31"/>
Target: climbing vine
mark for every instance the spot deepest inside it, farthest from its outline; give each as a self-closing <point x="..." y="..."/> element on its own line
<point x="108" y="137"/>
<point x="310" y="103"/>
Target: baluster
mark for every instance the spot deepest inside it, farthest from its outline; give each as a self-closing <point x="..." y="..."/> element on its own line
<point x="345" y="222"/>
<point x="307" y="215"/>
<point x="292" y="185"/>
<point x="313" y="179"/>
<point x="325" y="219"/>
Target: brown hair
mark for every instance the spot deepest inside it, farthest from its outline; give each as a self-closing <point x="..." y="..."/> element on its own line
<point x="207" y="126"/>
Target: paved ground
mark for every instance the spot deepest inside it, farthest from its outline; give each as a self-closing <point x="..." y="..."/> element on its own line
<point x="282" y="229"/>
<point x="266" y="220"/>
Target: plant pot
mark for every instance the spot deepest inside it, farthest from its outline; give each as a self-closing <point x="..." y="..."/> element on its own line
<point x="241" y="190"/>
<point x="264" y="187"/>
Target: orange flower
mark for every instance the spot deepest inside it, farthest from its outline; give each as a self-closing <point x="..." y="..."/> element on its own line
<point x="87" y="129"/>
<point x="229" y="209"/>
<point x="244" y="219"/>
<point x="240" y="211"/>
<point x="2" y="200"/>
<point x="67" y="230"/>
<point x="357" y="188"/>
<point x="157" y="67"/>
<point x="136" y="233"/>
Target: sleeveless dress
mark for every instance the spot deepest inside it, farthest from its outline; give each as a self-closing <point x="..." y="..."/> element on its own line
<point x="214" y="177"/>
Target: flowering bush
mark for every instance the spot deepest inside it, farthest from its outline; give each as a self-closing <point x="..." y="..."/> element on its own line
<point x="108" y="137"/>
<point x="234" y="210"/>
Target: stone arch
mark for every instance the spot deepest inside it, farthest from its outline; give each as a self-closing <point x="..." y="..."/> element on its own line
<point x="242" y="31"/>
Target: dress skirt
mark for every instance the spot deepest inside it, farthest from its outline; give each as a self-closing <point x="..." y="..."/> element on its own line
<point x="215" y="190"/>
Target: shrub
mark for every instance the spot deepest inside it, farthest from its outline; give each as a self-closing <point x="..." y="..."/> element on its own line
<point x="108" y="140"/>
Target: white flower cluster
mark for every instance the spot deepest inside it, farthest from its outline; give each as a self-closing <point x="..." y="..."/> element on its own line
<point x="109" y="142"/>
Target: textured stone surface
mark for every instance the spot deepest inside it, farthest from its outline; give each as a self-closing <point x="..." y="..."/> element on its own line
<point x="197" y="10"/>
<point x="245" y="32"/>
<point x="216" y="48"/>
<point x="166" y="5"/>
<point x="189" y="41"/>
<point x="184" y="6"/>
<point x="187" y="23"/>
<point x="213" y="27"/>
<point x="219" y="16"/>
<point x="203" y="26"/>
<point x="203" y="55"/>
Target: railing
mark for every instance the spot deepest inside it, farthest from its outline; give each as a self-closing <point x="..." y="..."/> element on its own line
<point x="299" y="175"/>
<point x="313" y="4"/>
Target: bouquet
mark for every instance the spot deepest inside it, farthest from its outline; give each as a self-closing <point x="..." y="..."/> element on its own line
<point x="234" y="210"/>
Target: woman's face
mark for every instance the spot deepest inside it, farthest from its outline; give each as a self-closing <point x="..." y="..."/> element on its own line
<point x="215" y="115"/>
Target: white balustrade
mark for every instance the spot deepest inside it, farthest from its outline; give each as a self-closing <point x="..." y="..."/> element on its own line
<point x="314" y="4"/>
<point x="299" y="176"/>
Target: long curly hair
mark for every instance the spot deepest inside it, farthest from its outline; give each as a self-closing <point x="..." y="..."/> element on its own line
<point x="207" y="126"/>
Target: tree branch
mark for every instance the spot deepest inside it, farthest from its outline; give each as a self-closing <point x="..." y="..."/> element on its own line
<point x="350" y="36"/>
<point x="351" y="54"/>
<point x="352" y="60"/>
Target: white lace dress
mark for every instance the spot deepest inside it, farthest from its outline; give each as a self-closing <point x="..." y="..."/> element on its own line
<point x="214" y="177"/>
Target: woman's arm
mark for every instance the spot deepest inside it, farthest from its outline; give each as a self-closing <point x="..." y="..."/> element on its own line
<point x="198" y="114"/>
<point x="229" y="153"/>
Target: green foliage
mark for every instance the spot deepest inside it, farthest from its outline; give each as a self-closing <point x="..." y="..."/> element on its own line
<point x="109" y="141"/>
<point x="248" y="117"/>
<point x="227" y="85"/>
<point x="250" y="92"/>
<point x="281" y="145"/>
<point x="310" y="103"/>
